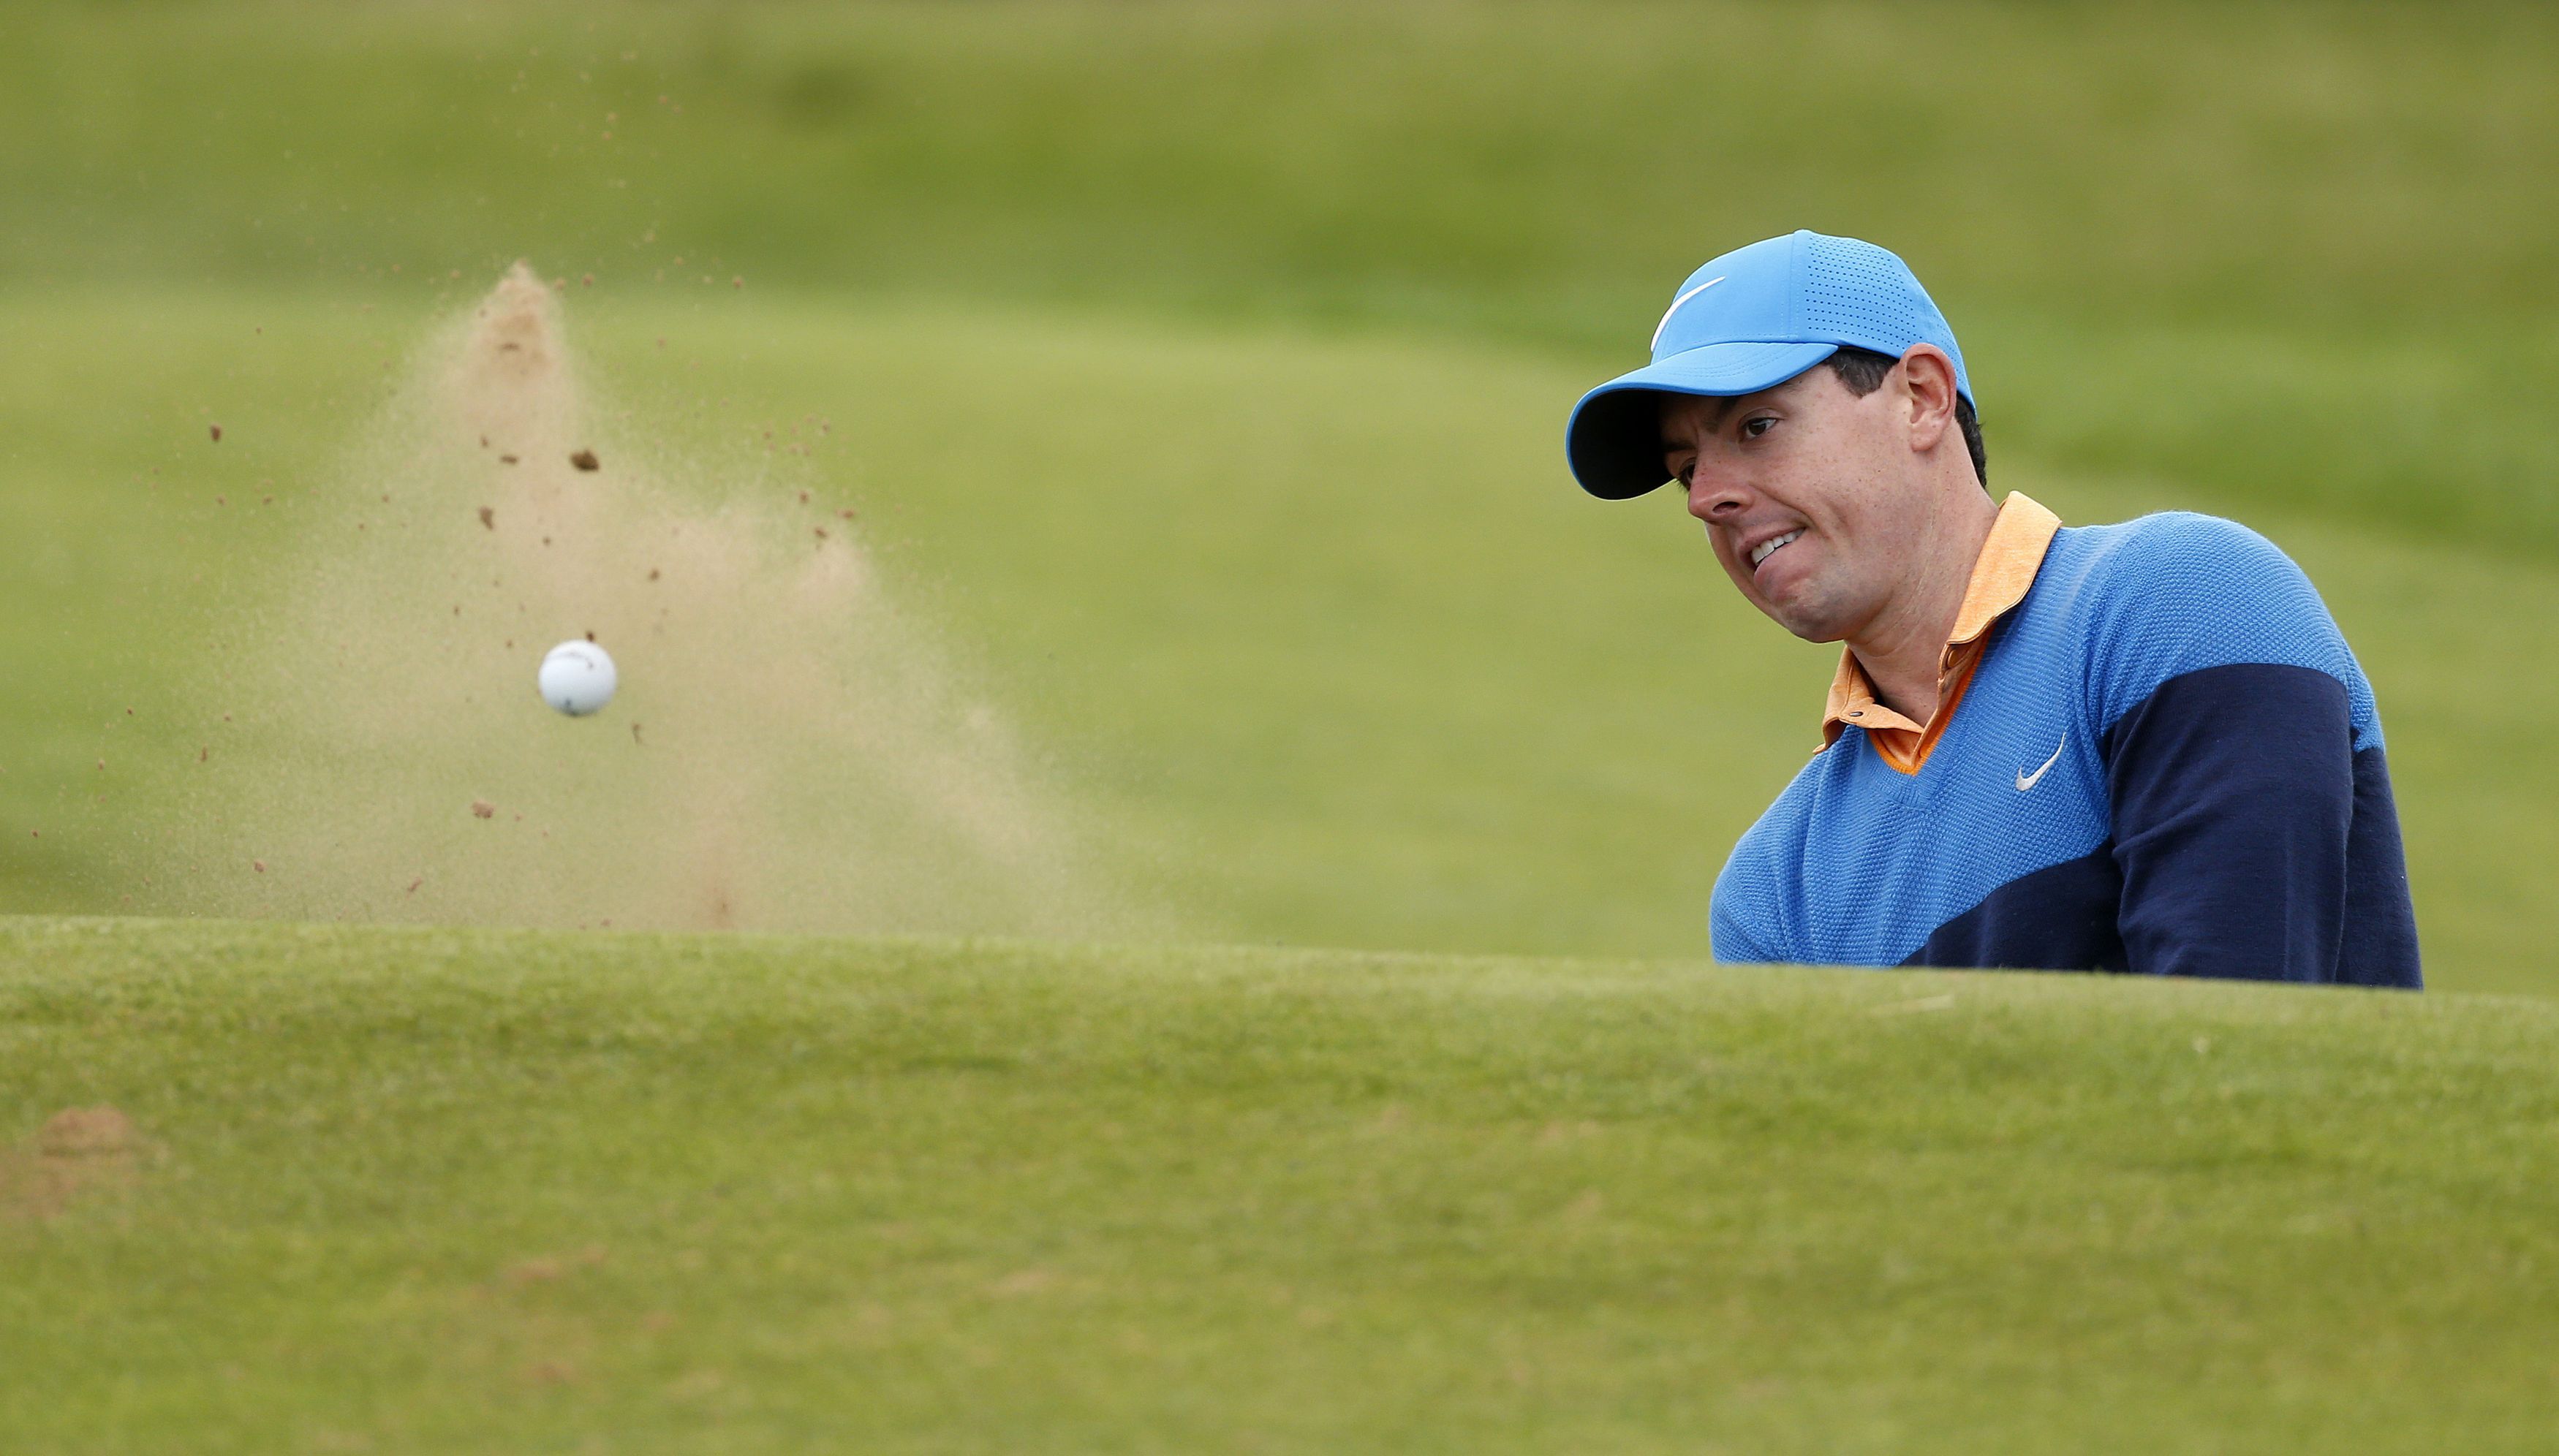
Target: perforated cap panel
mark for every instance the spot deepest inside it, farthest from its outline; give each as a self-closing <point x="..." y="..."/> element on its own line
<point x="1853" y="287"/>
<point x="1861" y="294"/>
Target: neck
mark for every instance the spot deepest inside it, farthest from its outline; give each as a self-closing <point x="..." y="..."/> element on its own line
<point x="1903" y="648"/>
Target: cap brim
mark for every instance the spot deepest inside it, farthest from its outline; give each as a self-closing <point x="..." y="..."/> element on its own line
<point x="1614" y="439"/>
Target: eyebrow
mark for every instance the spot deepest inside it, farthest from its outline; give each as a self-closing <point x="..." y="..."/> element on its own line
<point x="1724" y="408"/>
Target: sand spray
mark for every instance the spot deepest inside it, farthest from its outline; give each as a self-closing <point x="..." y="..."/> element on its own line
<point x="790" y="751"/>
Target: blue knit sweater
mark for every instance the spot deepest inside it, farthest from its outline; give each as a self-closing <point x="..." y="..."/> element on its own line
<point x="2168" y="761"/>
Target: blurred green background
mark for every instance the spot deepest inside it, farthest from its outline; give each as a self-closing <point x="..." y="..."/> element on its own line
<point x="1201" y="367"/>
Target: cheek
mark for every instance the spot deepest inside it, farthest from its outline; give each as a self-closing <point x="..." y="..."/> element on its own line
<point x="1830" y="496"/>
<point x="1863" y="516"/>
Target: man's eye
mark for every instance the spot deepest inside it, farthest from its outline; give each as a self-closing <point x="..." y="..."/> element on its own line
<point x="1755" y="426"/>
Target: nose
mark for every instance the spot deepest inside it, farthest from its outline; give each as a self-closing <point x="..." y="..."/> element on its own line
<point x="1715" y="496"/>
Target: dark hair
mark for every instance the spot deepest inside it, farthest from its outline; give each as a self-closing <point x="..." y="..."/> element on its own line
<point x="1863" y="372"/>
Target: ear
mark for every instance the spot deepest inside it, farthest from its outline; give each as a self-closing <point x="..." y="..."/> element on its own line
<point x="1928" y="379"/>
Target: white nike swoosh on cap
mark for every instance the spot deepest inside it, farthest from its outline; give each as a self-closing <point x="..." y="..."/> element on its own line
<point x="2027" y="780"/>
<point x="1675" y="308"/>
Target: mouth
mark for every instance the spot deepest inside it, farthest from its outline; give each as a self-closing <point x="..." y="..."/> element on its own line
<point x="1771" y="547"/>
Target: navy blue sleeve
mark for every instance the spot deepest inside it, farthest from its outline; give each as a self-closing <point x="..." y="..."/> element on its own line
<point x="2380" y="947"/>
<point x="2254" y="840"/>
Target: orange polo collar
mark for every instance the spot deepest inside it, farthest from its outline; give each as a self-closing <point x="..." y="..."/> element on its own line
<point x="2001" y="574"/>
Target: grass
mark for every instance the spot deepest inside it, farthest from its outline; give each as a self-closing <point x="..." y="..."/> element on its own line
<point x="1198" y="372"/>
<point x="434" y="1190"/>
<point x="1307" y="622"/>
<point x="1204" y="367"/>
<point x="2293" y="255"/>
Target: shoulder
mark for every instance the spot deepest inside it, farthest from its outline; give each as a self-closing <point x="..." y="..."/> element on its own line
<point x="2155" y="599"/>
<point x="2177" y="561"/>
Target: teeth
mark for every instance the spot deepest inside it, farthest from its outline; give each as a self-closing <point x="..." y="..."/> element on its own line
<point x="1761" y="552"/>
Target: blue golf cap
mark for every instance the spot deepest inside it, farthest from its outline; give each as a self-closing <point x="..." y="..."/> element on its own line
<point x="1755" y="316"/>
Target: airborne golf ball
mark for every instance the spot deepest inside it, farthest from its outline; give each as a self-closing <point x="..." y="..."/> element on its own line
<point x="577" y="677"/>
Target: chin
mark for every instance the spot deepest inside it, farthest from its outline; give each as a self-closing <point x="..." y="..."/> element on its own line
<point x="1809" y="631"/>
<point x="1807" y="614"/>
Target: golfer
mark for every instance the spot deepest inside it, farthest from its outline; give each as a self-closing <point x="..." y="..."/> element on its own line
<point x="2139" y="747"/>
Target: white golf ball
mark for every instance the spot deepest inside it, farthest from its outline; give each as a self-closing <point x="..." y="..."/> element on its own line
<point x="577" y="677"/>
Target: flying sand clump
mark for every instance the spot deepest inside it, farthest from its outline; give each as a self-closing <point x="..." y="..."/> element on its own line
<point x="813" y="760"/>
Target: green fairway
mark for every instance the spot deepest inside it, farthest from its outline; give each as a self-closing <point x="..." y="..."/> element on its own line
<point x="1316" y="656"/>
<point x="2280" y="254"/>
<point x="1199" y="371"/>
<point x="432" y="1190"/>
<point x="1218" y="829"/>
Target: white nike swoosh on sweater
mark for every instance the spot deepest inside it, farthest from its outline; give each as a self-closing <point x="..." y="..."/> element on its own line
<point x="2027" y="780"/>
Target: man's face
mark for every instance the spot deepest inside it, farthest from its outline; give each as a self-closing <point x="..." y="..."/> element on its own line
<point x="1806" y="492"/>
